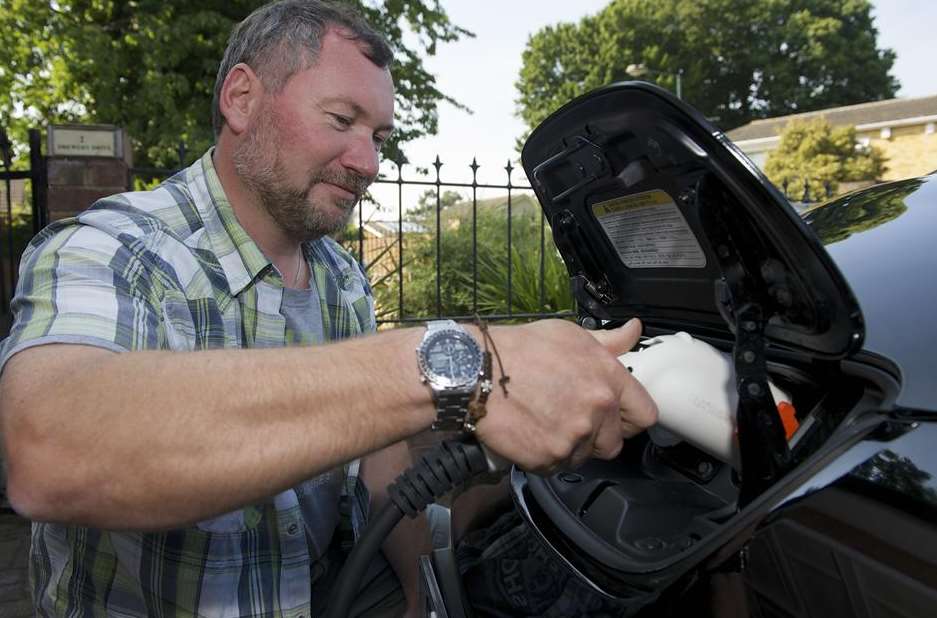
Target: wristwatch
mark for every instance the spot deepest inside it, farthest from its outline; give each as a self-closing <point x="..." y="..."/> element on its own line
<point x="451" y="363"/>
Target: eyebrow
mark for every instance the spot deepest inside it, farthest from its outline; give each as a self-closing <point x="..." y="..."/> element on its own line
<point x="358" y="111"/>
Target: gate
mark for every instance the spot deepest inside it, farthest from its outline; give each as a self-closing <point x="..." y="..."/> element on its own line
<point x="23" y="212"/>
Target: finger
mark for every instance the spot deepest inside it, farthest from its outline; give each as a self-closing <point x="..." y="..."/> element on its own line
<point x="638" y="409"/>
<point x="619" y="340"/>
<point x="583" y="453"/>
<point x="610" y="438"/>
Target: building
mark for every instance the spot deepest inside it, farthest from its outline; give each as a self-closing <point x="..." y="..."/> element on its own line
<point x="381" y="246"/>
<point x="903" y="129"/>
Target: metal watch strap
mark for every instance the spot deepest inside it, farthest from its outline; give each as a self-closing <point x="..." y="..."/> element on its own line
<point x="434" y="325"/>
<point x="451" y="409"/>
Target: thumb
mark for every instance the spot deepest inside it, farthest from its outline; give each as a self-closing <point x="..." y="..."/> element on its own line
<point x="619" y="340"/>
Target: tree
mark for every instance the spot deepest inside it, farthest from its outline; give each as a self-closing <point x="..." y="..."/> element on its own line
<point x="426" y="203"/>
<point x="740" y="59"/>
<point x="815" y="154"/>
<point x="150" y="65"/>
<point x="898" y="476"/>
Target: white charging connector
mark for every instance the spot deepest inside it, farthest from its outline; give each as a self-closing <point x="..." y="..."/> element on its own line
<point x="693" y="385"/>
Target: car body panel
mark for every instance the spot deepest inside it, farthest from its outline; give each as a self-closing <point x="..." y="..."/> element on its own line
<point x="854" y="544"/>
<point x="883" y="241"/>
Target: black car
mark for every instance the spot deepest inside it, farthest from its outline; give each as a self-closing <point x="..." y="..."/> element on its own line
<point x="658" y="215"/>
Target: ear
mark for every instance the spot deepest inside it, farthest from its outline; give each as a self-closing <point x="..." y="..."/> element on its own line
<point x="241" y="95"/>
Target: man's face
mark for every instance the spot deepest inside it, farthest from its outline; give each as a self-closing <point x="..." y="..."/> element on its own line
<point x="312" y="149"/>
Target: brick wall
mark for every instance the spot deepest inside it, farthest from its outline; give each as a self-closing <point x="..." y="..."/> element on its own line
<point x="908" y="153"/>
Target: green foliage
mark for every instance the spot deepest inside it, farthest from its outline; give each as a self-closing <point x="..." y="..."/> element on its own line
<point x="150" y="65"/>
<point x="525" y="277"/>
<point x="741" y="59"/>
<point x="815" y="152"/>
<point x="456" y="265"/>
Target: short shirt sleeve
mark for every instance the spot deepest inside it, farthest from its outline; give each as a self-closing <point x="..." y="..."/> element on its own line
<point x="79" y="284"/>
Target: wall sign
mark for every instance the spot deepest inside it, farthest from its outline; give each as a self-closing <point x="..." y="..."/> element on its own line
<point x="86" y="141"/>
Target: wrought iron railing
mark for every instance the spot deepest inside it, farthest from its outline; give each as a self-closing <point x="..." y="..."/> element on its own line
<point x="438" y="185"/>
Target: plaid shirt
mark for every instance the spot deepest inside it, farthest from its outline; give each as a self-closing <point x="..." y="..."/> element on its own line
<point x="171" y="269"/>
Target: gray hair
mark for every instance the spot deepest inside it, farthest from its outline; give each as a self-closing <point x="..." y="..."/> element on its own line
<point x="284" y="37"/>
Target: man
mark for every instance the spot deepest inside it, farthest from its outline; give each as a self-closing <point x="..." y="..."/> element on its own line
<point x="163" y="412"/>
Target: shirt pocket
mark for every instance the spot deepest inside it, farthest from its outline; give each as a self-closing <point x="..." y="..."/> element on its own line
<point x="357" y="294"/>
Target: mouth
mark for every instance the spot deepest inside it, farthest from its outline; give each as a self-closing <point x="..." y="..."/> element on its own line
<point x="344" y="192"/>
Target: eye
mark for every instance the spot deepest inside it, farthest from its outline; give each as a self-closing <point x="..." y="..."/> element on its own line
<point x="379" y="141"/>
<point x="342" y="121"/>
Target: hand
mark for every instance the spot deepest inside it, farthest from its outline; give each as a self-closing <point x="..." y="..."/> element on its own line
<point x="569" y="399"/>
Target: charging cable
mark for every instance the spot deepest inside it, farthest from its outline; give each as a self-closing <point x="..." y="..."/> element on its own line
<point x="448" y="465"/>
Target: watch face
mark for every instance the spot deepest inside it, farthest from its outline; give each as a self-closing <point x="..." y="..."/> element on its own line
<point x="452" y="356"/>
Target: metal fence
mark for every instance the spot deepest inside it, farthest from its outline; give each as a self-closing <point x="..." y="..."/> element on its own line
<point x="22" y="212"/>
<point x="148" y="174"/>
<point x="437" y="186"/>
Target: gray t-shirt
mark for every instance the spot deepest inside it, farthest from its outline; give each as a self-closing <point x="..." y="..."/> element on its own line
<point x="303" y="314"/>
<point x="302" y="311"/>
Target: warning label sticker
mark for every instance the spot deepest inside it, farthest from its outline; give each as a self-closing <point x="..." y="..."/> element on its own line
<point x="649" y="231"/>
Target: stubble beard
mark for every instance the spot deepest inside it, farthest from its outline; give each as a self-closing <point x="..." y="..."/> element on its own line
<point x="257" y="162"/>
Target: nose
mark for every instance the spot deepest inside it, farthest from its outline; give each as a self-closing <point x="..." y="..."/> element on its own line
<point x="361" y="157"/>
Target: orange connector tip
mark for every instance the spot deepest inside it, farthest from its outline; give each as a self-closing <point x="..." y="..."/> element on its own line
<point x="788" y="418"/>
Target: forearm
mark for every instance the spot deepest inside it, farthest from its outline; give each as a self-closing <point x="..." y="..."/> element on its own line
<point x="159" y="439"/>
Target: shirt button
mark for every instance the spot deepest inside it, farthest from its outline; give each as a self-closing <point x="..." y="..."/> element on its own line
<point x="292" y="530"/>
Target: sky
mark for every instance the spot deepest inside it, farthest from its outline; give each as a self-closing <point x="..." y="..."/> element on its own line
<point x="480" y="72"/>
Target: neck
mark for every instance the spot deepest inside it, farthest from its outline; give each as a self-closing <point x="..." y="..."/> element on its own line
<point x="281" y="248"/>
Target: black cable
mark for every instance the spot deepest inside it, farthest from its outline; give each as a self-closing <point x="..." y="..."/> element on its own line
<point x="450" y="464"/>
<point x="349" y="580"/>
